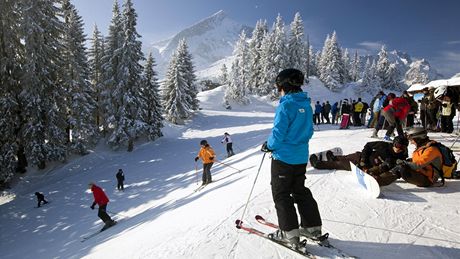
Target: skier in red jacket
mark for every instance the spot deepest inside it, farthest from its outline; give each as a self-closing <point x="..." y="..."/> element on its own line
<point x="101" y="199"/>
<point x="395" y="114"/>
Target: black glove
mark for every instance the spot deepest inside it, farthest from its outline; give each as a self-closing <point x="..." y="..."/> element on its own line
<point x="400" y="162"/>
<point x="92" y="207"/>
<point x="196" y="158"/>
<point x="384" y="167"/>
<point x="211" y="158"/>
<point x="265" y="148"/>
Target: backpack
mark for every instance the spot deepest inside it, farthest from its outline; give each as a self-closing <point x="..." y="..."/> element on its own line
<point x="449" y="163"/>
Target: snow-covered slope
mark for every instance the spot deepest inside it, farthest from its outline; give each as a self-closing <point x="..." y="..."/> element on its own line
<point x="161" y="216"/>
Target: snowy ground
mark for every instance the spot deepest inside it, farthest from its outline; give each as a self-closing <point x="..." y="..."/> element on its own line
<point x="161" y="216"/>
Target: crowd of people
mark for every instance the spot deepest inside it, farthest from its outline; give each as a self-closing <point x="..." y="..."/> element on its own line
<point x="435" y="111"/>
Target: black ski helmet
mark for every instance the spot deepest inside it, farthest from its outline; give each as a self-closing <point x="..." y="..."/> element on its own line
<point x="400" y="142"/>
<point x="203" y="142"/>
<point x="290" y="80"/>
<point x="417" y="133"/>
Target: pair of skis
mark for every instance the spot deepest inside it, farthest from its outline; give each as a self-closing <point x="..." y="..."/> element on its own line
<point x="302" y="248"/>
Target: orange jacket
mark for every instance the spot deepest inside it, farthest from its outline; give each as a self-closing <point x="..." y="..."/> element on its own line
<point x="423" y="157"/>
<point x="206" y="153"/>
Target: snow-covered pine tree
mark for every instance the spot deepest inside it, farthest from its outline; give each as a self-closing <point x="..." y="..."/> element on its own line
<point x="223" y="75"/>
<point x="151" y="109"/>
<point x="273" y="56"/>
<point x="368" y="83"/>
<point x="111" y="64"/>
<point x="296" y="51"/>
<point x="126" y="92"/>
<point x="188" y="72"/>
<point x="237" y="89"/>
<point x="308" y="61"/>
<point x="11" y="52"/>
<point x="81" y="129"/>
<point x="355" y="67"/>
<point x="255" y="53"/>
<point x="331" y="64"/>
<point x="174" y="93"/>
<point x="42" y="97"/>
<point x="95" y="61"/>
<point x="383" y="69"/>
<point x="346" y="66"/>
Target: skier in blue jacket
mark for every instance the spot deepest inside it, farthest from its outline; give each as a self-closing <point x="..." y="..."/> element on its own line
<point x="288" y="142"/>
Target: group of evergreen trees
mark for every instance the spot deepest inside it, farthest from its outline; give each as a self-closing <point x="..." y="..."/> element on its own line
<point x="58" y="97"/>
<point x="259" y="59"/>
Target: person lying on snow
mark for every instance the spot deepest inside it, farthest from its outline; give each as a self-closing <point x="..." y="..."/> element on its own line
<point x="376" y="159"/>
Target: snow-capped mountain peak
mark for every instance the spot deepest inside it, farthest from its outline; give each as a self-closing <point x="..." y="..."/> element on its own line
<point x="209" y="40"/>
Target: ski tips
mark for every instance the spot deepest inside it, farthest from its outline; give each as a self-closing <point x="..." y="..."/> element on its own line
<point x="238" y="223"/>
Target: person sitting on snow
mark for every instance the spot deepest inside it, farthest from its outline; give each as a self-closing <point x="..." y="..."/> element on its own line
<point x="421" y="170"/>
<point x="376" y="158"/>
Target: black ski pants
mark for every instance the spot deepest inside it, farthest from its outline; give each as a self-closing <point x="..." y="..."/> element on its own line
<point x="230" y="150"/>
<point x="340" y="162"/>
<point x="288" y="187"/>
<point x="102" y="213"/>
<point x="120" y="185"/>
<point x="206" y="178"/>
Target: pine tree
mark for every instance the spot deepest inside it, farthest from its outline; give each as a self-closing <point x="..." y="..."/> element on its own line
<point x="346" y="60"/>
<point x="95" y="56"/>
<point x="383" y="70"/>
<point x="79" y="94"/>
<point x="174" y="93"/>
<point x="223" y="75"/>
<point x="188" y="72"/>
<point x="331" y="64"/>
<point x="151" y="109"/>
<point x="355" y="67"/>
<point x="42" y="97"/>
<point x="255" y="56"/>
<point x="111" y="64"/>
<point x="296" y="50"/>
<point x="273" y="56"/>
<point x="368" y="83"/>
<point x="11" y="52"/>
<point x="239" y="76"/>
<point x="126" y="91"/>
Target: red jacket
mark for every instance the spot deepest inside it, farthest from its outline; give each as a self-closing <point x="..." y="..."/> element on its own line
<point x="99" y="195"/>
<point x="400" y="107"/>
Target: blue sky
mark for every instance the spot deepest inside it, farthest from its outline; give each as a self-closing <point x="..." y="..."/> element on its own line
<point x="423" y="28"/>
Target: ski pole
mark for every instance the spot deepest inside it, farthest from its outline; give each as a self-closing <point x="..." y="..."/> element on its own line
<point x="228" y="166"/>
<point x="252" y="189"/>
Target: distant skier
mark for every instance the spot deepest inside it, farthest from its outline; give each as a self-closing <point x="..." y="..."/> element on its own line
<point x="206" y="154"/>
<point x="101" y="199"/>
<point x="288" y="142"/>
<point x="40" y="199"/>
<point x="120" y="179"/>
<point x="228" y="141"/>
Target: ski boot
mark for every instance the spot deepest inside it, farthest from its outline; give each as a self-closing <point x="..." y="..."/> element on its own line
<point x="108" y="224"/>
<point x="290" y="238"/>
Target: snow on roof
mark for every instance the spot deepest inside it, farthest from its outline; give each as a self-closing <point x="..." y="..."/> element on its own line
<point x="435" y="84"/>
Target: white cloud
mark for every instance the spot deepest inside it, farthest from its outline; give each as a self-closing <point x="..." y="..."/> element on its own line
<point x="453" y="42"/>
<point x="371" y="45"/>
<point x="447" y="63"/>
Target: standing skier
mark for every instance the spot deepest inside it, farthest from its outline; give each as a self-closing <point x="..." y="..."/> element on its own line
<point x="101" y="199"/>
<point x="228" y="141"/>
<point x="288" y="143"/>
<point x="120" y="179"/>
<point x="206" y="154"/>
<point x="40" y="199"/>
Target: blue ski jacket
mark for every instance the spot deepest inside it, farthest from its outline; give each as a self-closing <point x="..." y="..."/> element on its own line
<point x="292" y="129"/>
